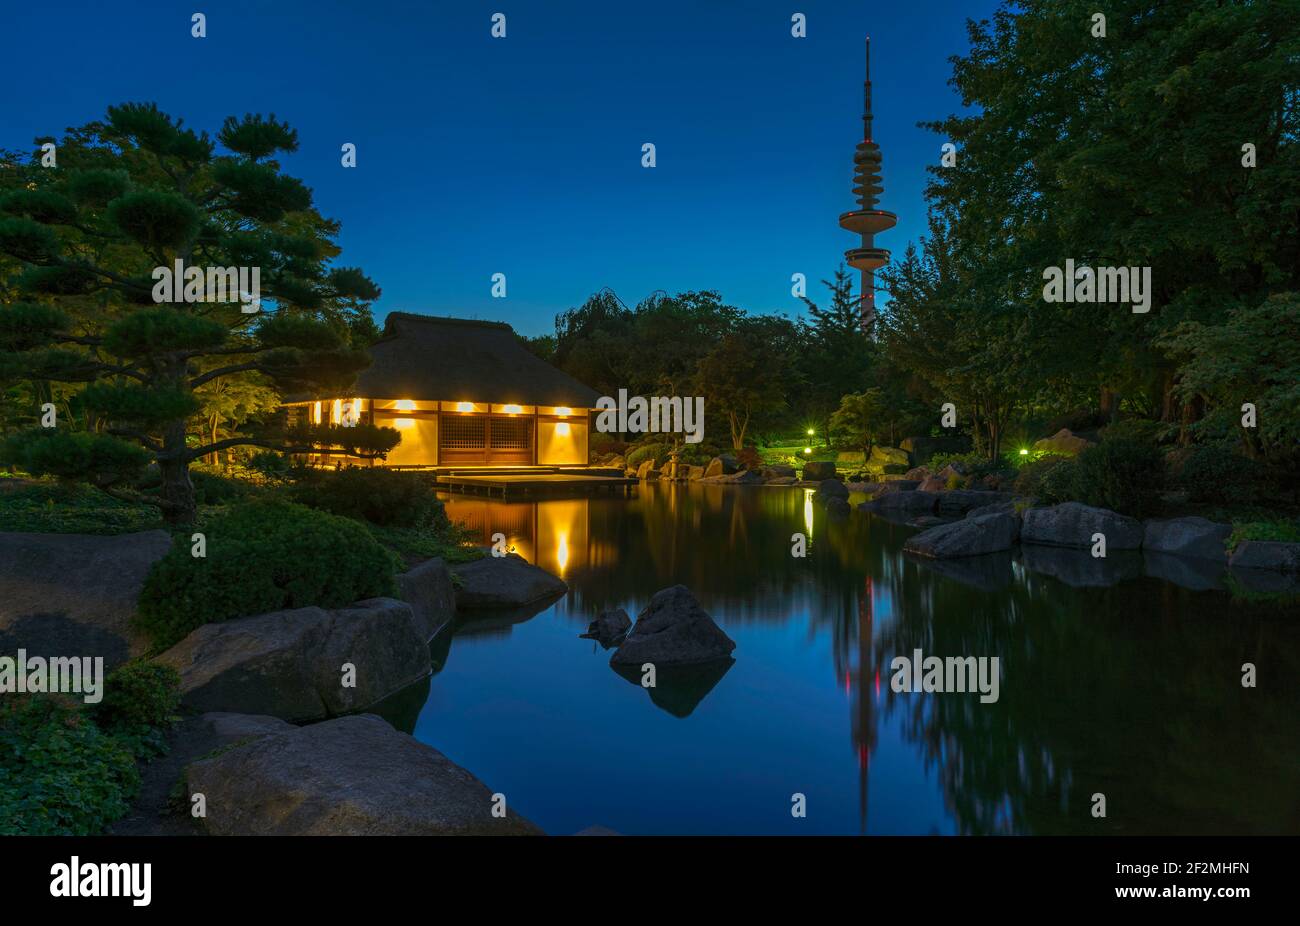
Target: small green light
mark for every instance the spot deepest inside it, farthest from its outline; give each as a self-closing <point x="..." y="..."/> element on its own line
<point x="811" y="432"/>
<point x="1024" y="453"/>
<point x="807" y="450"/>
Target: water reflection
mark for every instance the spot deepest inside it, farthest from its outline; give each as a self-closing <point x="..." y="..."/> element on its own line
<point x="1112" y="681"/>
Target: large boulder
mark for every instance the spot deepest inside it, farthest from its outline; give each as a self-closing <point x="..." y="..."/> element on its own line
<point x="353" y="776"/>
<point x="645" y="470"/>
<point x="695" y="473"/>
<point x="894" y="486"/>
<point x="609" y="628"/>
<point x="1193" y="537"/>
<point x="933" y="484"/>
<point x="960" y="501"/>
<point x="429" y="591"/>
<point x="1063" y="441"/>
<point x="837" y="505"/>
<point x="673" y="630"/>
<point x="778" y="471"/>
<point x="911" y="503"/>
<point x="722" y="465"/>
<point x="815" y="471"/>
<point x="1266" y="554"/>
<point x="918" y="473"/>
<point x="990" y="533"/>
<point x="1072" y="525"/>
<point x="508" y="581"/>
<point x="290" y="664"/>
<point x="832" y="488"/>
<point x="887" y="459"/>
<point x="75" y="593"/>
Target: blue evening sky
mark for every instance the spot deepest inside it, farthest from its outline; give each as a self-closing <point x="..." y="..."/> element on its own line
<point x="522" y="155"/>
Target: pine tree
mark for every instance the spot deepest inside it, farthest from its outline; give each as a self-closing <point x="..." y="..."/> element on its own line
<point x="129" y="197"/>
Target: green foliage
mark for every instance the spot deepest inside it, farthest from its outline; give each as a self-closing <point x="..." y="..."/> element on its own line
<point x="1252" y="356"/>
<point x="72" y="509"/>
<point x="73" y="455"/>
<point x="263" y="556"/>
<point x="1029" y="479"/>
<point x="381" y="496"/>
<point x="211" y="488"/>
<point x="162" y="329"/>
<point x="1124" y="475"/>
<point x="60" y="775"/>
<point x="155" y="219"/>
<point x="25" y="325"/>
<point x="1217" y="473"/>
<point x="1283" y="530"/>
<point x="1059" y="482"/>
<point x="139" y="191"/>
<point x="140" y="704"/>
<point x="656" y="453"/>
<point x="133" y="402"/>
<point x="1142" y="430"/>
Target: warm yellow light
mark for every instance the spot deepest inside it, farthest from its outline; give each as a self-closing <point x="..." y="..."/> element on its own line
<point x="562" y="429"/>
<point x="513" y="409"/>
<point x="405" y="405"/>
<point x="562" y="552"/>
<point x="315" y="414"/>
<point x="404" y="423"/>
<point x="337" y="415"/>
<point x="464" y="406"/>
<point x="564" y="411"/>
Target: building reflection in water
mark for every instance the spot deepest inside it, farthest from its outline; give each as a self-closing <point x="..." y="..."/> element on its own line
<point x="555" y="535"/>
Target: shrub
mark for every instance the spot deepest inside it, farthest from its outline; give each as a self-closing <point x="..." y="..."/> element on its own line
<point x="1058" y="483"/>
<point x="1283" y="530"/>
<point x="1217" y="473"/>
<point x="381" y="496"/>
<point x="213" y="489"/>
<point x="954" y="482"/>
<point x="57" y="508"/>
<point x="653" y="452"/>
<point x="60" y="775"/>
<point x="139" y="706"/>
<point x="1030" y="478"/>
<point x="1142" y="430"/>
<point x="263" y="556"/>
<point x="1124" y="475"/>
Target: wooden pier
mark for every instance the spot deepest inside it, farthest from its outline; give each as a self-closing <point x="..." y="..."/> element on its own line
<point x="534" y="482"/>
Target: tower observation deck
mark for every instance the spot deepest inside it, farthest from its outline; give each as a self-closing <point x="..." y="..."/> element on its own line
<point x="867" y="220"/>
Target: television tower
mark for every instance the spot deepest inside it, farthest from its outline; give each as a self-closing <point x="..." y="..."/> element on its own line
<point x="867" y="220"/>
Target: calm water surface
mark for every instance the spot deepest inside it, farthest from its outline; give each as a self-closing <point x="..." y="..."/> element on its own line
<point x="1130" y="689"/>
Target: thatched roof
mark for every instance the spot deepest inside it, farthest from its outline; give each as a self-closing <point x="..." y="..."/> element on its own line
<point x="457" y="359"/>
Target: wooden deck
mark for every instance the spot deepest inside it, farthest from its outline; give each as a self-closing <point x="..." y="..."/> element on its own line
<point x="533" y="482"/>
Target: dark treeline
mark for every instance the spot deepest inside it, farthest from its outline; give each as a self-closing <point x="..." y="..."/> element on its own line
<point x="1169" y="144"/>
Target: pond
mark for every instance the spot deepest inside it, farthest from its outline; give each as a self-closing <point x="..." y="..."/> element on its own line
<point x="1132" y="690"/>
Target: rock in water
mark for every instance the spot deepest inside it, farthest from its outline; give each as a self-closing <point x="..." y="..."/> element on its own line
<point x="429" y="591"/>
<point x="816" y="472"/>
<point x="673" y="631"/>
<point x="832" y="488"/>
<point x="504" y="582"/>
<point x="353" y="776"/>
<point x="1073" y="525"/>
<point x="1194" y="537"/>
<point x="610" y="628"/>
<point x="989" y="533"/>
